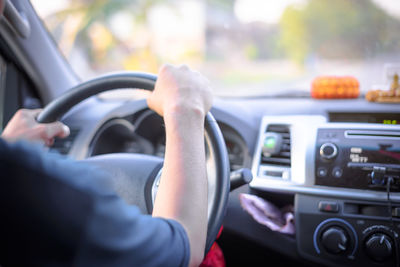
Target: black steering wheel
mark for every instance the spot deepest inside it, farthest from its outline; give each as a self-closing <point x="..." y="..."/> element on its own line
<point x="135" y="175"/>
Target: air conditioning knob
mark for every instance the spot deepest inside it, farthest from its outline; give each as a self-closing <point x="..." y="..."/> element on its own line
<point x="328" y="151"/>
<point x="334" y="240"/>
<point x="379" y="247"/>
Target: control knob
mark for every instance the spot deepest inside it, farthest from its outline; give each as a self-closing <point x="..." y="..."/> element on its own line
<point x="379" y="247"/>
<point x="334" y="240"/>
<point x="328" y="151"/>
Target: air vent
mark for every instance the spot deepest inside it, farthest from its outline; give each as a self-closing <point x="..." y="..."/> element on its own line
<point x="63" y="146"/>
<point x="276" y="151"/>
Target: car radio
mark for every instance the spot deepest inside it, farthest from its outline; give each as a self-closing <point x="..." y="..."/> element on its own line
<point x="357" y="158"/>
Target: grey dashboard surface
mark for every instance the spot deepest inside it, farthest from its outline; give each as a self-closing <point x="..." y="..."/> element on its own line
<point x="244" y="115"/>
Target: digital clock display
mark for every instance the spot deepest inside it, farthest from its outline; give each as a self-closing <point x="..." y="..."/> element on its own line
<point x="391" y="121"/>
<point x="381" y="118"/>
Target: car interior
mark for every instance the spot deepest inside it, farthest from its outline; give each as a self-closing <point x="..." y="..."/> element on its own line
<point x="314" y="176"/>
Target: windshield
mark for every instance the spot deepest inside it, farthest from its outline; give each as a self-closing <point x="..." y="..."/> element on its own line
<point x="245" y="47"/>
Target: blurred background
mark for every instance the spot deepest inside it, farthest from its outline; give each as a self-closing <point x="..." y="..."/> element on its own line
<point x="245" y="47"/>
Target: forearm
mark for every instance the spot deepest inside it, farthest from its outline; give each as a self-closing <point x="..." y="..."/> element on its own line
<point x="182" y="194"/>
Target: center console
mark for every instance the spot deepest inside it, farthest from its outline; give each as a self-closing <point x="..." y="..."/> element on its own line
<point x="344" y="232"/>
<point x="346" y="181"/>
<point x="357" y="158"/>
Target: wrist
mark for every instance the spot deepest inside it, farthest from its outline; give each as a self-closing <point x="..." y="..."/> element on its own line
<point x="183" y="115"/>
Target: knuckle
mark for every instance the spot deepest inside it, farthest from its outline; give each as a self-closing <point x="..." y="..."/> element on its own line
<point x="165" y="68"/>
<point x="21" y="112"/>
<point x="57" y="125"/>
<point x="184" y="67"/>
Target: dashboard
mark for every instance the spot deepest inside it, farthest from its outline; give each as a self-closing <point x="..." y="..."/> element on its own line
<point x="143" y="132"/>
<point x="347" y="211"/>
<point x="331" y="159"/>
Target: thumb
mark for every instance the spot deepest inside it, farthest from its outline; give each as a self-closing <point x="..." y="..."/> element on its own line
<point x="151" y="101"/>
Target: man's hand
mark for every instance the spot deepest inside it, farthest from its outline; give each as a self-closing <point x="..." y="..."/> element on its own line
<point x="179" y="90"/>
<point x="183" y="97"/>
<point x="23" y="125"/>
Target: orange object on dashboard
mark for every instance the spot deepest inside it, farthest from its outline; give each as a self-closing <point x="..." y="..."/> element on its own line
<point x="326" y="87"/>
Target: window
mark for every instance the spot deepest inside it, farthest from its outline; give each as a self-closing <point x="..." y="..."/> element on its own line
<point x="245" y="47"/>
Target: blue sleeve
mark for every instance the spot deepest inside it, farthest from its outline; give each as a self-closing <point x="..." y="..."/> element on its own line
<point x="56" y="211"/>
<point x="118" y="235"/>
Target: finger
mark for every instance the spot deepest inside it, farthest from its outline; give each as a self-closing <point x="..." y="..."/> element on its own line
<point x="49" y="142"/>
<point x="149" y="101"/>
<point x="164" y="68"/>
<point x="56" y="129"/>
<point x="65" y="132"/>
<point x="184" y="67"/>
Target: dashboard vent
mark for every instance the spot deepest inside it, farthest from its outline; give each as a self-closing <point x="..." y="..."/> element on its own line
<point x="282" y="157"/>
<point x="63" y="146"/>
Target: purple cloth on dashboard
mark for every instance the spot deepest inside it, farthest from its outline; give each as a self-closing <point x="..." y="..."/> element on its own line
<point x="266" y="213"/>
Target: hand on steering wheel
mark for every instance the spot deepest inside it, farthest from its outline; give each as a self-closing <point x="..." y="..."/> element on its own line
<point x="141" y="170"/>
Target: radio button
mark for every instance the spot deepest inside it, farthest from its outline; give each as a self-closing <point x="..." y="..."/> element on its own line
<point x="337" y="172"/>
<point x="322" y="172"/>
<point x="328" y="151"/>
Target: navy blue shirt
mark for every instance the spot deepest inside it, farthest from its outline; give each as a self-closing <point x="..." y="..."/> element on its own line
<point x="58" y="212"/>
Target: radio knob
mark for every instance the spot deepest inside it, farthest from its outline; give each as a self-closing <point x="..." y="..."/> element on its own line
<point x="334" y="240"/>
<point x="379" y="247"/>
<point x="328" y="151"/>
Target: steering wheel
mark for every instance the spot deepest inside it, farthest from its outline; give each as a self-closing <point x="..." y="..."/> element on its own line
<point x="136" y="176"/>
